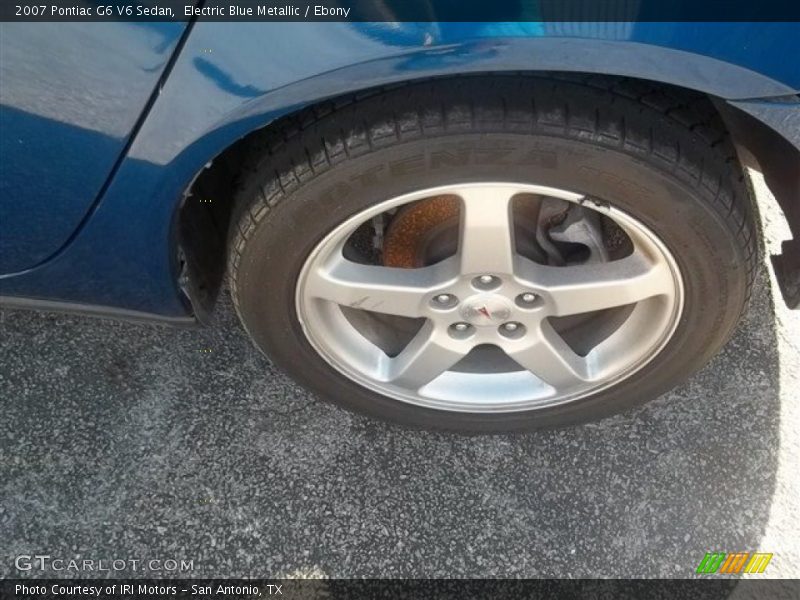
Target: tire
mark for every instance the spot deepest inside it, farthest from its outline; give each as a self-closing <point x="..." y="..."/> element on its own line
<point x="652" y="152"/>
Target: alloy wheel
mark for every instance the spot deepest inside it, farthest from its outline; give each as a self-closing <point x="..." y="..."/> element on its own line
<point x="520" y="297"/>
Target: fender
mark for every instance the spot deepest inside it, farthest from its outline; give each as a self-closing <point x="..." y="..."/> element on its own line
<point x="233" y="78"/>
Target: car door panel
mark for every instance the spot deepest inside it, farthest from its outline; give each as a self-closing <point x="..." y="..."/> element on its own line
<point x="70" y="98"/>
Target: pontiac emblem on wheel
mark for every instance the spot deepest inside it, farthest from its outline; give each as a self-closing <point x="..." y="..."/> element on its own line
<point x="490" y="309"/>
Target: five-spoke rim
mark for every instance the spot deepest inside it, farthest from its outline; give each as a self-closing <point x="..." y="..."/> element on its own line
<point x="487" y="294"/>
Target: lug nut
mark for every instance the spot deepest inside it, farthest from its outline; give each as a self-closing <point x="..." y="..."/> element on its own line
<point x="526" y="299"/>
<point x="460" y="330"/>
<point x="486" y="282"/>
<point x="512" y="330"/>
<point x="444" y="301"/>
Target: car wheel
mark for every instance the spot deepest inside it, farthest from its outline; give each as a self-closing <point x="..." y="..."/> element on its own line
<point x="494" y="255"/>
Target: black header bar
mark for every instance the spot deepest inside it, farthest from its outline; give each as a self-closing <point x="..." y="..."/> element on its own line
<point x="401" y="10"/>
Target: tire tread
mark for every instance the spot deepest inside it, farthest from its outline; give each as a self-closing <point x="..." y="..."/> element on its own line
<point x="675" y="130"/>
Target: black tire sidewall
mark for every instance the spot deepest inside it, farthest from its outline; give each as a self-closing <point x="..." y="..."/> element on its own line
<point x="702" y="241"/>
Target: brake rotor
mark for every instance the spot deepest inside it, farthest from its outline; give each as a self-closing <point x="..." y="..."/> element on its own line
<point x="417" y="229"/>
<point x="425" y="232"/>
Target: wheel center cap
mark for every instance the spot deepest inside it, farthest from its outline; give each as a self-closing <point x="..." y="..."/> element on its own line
<point x="486" y="310"/>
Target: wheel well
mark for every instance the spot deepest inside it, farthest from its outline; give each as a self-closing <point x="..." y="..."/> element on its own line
<point x="763" y="149"/>
<point x="206" y="212"/>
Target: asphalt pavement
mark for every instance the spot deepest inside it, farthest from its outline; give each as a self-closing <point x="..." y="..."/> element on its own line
<point x="139" y="442"/>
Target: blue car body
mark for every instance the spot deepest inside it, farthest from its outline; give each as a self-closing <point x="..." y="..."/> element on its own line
<point x="104" y="127"/>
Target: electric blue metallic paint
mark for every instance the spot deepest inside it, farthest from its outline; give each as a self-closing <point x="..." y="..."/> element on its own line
<point x="783" y="117"/>
<point x="232" y="78"/>
<point x="70" y="96"/>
